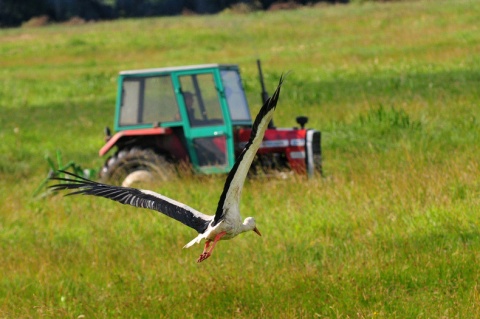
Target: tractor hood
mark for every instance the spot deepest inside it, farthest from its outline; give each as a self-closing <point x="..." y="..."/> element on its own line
<point x="140" y="132"/>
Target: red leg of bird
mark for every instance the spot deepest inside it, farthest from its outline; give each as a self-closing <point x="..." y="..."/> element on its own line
<point x="208" y="252"/>
<point x="204" y="255"/>
<point x="207" y="244"/>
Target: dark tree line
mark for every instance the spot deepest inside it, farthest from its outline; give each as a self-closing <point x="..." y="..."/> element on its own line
<point x="15" y="12"/>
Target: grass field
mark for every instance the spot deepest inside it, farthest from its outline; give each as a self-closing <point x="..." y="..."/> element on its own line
<point x="391" y="231"/>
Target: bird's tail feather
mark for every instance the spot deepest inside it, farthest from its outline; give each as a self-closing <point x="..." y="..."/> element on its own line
<point x="194" y="241"/>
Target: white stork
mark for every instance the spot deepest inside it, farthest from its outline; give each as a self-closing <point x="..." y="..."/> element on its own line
<point x="225" y="224"/>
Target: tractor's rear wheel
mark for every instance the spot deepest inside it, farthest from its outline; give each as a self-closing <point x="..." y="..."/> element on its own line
<point x="131" y="166"/>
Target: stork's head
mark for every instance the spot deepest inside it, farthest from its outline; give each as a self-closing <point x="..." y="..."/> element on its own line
<point x="249" y="224"/>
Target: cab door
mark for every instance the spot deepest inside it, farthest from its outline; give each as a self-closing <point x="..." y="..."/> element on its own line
<point x="206" y="120"/>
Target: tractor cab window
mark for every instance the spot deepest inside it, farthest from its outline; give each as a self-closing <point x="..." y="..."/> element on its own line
<point x="201" y="100"/>
<point x="235" y="95"/>
<point x="147" y="100"/>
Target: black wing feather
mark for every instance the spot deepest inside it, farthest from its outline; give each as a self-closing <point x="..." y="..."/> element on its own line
<point x="135" y="197"/>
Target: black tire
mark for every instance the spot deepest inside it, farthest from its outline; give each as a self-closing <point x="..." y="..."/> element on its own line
<point x="127" y="161"/>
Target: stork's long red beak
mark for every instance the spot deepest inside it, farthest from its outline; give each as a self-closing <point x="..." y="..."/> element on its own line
<point x="257" y="231"/>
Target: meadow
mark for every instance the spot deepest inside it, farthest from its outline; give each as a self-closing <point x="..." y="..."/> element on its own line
<point x="391" y="230"/>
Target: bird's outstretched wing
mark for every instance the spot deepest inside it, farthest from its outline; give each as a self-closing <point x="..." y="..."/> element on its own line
<point x="233" y="185"/>
<point x="135" y="197"/>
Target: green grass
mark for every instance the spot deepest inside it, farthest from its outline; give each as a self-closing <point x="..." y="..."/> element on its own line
<point x="391" y="231"/>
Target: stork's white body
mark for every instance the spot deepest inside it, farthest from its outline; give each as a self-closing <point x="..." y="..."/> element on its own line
<point x="231" y="230"/>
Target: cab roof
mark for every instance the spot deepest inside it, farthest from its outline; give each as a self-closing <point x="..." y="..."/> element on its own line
<point x="179" y="68"/>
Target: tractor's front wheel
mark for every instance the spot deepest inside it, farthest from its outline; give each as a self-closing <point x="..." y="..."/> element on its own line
<point x="131" y="166"/>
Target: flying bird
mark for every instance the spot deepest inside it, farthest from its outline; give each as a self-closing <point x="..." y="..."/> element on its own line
<point x="225" y="224"/>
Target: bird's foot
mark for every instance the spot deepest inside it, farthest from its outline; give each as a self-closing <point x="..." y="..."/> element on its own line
<point x="203" y="256"/>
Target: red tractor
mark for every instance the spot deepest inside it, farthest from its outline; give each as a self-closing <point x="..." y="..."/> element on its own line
<point x="197" y="115"/>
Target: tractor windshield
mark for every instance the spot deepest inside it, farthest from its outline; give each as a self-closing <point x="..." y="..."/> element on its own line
<point x="237" y="103"/>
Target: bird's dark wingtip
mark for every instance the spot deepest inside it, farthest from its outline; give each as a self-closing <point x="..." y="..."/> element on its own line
<point x="283" y="76"/>
<point x="276" y="94"/>
<point x="71" y="181"/>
